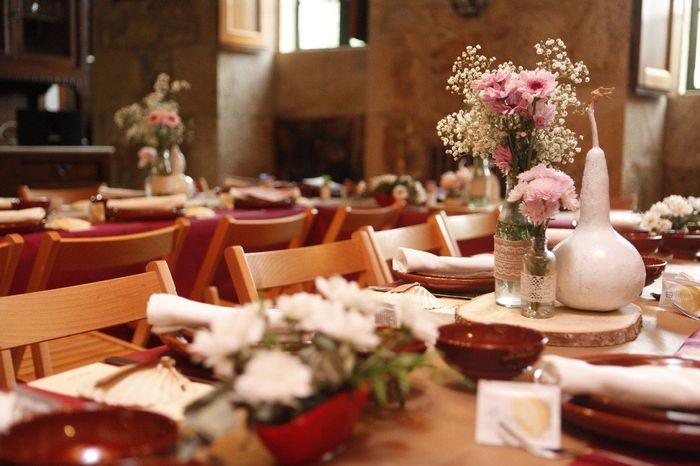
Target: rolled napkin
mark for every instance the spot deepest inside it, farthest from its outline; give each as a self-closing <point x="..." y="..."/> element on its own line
<point x="199" y="212"/>
<point x="262" y="193"/>
<point x="173" y="201"/>
<point x="7" y="202"/>
<point x="169" y="313"/>
<point x="412" y="260"/>
<point x="119" y="193"/>
<point x="34" y="214"/>
<point x="625" y="219"/>
<point x="658" y="386"/>
<point x="68" y="224"/>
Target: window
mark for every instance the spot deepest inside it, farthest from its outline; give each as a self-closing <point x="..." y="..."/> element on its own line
<point x="322" y="24"/>
<point x="693" y="78"/>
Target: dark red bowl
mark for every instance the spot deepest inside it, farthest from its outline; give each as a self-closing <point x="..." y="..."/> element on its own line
<point x="654" y="267"/>
<point x="683" y="245"/>
<point x="646" y="243"/>
<point x="490" y="351"/>
<point x="87" y="437"/>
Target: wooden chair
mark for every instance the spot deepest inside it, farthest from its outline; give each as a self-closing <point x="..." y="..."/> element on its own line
<point x="284" y="232"/>
<point x="467" y="226"/>
<point x="10" y="251"/>
<point x="291" y="270"/>
<point x="76" y="311"/>
<point x="346" y="220"/>
<point x="430" y="236"/>
<point x="65" y="255"/>
<point x="59" y="196"/>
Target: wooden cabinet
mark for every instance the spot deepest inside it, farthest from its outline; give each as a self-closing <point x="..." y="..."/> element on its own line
<point x="53" y="166"/>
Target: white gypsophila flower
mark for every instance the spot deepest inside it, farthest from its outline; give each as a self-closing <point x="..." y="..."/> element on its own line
<point x="349" y="294"/>
<point x="273" y="377"/>
<point x="301" y="307"/>
<point x="379" y="180"/>
<point x="400" y="192"/>
<point x="243" y="327"/>
<point x="410" y="314"/>
<point x="348" y="326"/>
<point x="678" y="206"/>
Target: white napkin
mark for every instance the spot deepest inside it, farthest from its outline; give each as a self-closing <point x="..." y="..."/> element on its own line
<point x="412" y="260"/>
<point x="168" y="313"/>
<point x="557" y="235"/>
<point x="199" y="212"/>
<point x="155" y="202"/>
<point x="625" y="219"/>
<point x="119" y="193"/>
<point x="22" y="215"/>
<point x="68" y="224"/>
<point x="262" y="193"/>
<point x="659" y="386"/>
<point x="6" y="202"/>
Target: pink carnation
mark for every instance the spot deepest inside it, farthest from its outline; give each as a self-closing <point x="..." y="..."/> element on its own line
<point x="543" y="191"/>
<point x="503" y="159"/>
<point x="163" y="117"/>
<point x="539" y="83"/>
<point x="544" y="114"/>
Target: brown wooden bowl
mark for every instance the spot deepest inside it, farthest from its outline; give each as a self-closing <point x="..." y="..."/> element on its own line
<point x="87" y="437"/>
<point x="654" y="267"/>
<point x="646" y="243"/>
<point x="490" y="351"/>
<point x="683" y="245"/>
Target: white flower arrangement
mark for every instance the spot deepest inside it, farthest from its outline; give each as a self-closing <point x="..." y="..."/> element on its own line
<point x="672" y="213"/>
<point x="328" y="343"/>
<point x="393" y="187"/>
<point x="514" y="116"/>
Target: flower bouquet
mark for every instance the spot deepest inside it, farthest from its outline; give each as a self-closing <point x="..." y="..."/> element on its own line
<point x="542" y="191"/>
<point x="388" y="188"/>
<point x="516" y="118"/>
<point x="303" y="373"/>
<point x="672" y="213"/>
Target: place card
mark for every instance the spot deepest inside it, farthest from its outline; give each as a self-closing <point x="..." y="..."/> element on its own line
<point x="529" y="411"/>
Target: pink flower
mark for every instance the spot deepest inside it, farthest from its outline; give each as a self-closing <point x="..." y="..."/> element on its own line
<point x="542" y="191"/>
<point x="146" y="156"/>
<point x="163" y="117"/>
<point x="493" y="88"/>
<point x="544" y="114"/>
<point x="518" y="99"/>
<point x="539" y="83"/>
<point x="503" y="159"/>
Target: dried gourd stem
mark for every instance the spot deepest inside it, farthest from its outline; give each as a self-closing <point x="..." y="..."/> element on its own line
<point x="595" y="95"/>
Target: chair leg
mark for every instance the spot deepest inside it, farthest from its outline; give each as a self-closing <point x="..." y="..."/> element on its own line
<point x="211" y="295"/>
<point x="141" y="333"/>
<point x="7" y="371"/>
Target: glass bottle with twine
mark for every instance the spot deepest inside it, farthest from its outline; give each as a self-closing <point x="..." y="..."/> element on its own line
<point x="538" y="279"/>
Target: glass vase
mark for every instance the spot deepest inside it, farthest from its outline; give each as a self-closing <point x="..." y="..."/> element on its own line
<point x="538" y="282"/>
<point x="511" y="241"/>
<point x="161" y="181"/>
<point x="481" y="183"/>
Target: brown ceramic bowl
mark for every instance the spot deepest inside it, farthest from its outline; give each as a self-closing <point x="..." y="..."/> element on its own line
<point x="683" y="245"/>
<point x="646" y="243"/>
<point x="490" y="351"/>
<point x="87" y="437"/>
<point x="654" y="268"/>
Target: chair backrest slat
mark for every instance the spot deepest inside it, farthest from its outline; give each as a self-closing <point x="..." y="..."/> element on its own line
<point x="347" y="220"/>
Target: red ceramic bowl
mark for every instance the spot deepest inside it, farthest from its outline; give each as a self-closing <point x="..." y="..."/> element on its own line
<point x="87" y="437"/>
<point x="683" y="245"/>
<point x="654" y="268"/>
<point x="646" y="243"/>
<point x="490" y="351"/>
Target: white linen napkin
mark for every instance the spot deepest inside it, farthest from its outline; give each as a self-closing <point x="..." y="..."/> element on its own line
<point x="262" y="193"/>
<point x="6" y="202"/>
<point x="22" y="215"/>
<point x="68" y="224"/>
<point x="142" y="203"/>
<point x="659" y="386"/>
<point x="169" y="313"/>
<point x="119" y="193"/>
<point x="412" y="260"/>
<point x="625" y="219"/>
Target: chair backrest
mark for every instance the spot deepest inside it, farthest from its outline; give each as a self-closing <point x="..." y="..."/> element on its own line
<point x="468" y="226"/>
<point x="290" y="270"/>
<point x="39" y="317"/>
<point x="10" y="250"/>
<point x="347" y="219"/>
<point x="59" y="196"/>
<point x="430" y="236"/>
<point x="284" y="232"/>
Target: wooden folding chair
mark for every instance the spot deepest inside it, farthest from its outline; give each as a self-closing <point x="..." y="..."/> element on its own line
<point x="467" y="226"/>
<point x="430" y="236"/>
<point x="10" y="250"/>
<point x="291" y="270"/>
<point x="284" y="232"/>
<point x="65" y="255"/>
<point x="75" y="312"/>
<point x="59" y="196"/>
<point x="346" y="220"/>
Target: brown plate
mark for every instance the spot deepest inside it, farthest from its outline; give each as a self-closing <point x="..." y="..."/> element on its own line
<point x="676" y="430"/>
<point x="28" y="226"/>
<point x="127" y="215"/>
<point x="450" y="282"/>
<point x="254" y="203"/>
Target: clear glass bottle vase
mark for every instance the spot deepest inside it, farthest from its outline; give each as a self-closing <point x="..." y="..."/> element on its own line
<point x="511" y="241"/>
<point x="161" y="181"/>
<point x="538" y="282"/>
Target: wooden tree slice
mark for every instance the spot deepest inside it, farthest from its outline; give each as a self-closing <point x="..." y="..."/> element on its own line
<point x="568" y="327"/>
